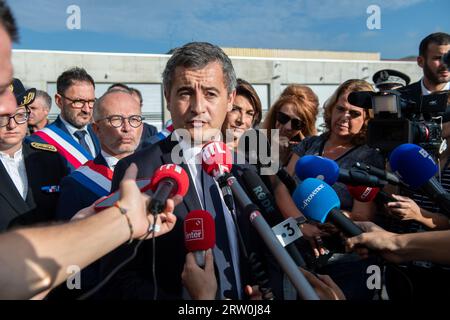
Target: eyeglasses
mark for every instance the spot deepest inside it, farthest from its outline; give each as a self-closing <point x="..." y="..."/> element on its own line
<point x="19" y="118"/>
<point x="80" y="103"/>
<point x="117" y="121"/>
<point x="353" y="113"/>
<point x="283" y="118"/>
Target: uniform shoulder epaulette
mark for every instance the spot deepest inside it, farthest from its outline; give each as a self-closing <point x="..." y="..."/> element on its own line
<point x="43" y="146"/>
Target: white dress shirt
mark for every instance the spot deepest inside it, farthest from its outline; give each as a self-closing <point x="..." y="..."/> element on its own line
<point x="110" y="160"/>
<point x="192" y="157"/>
<point x="87" y="137"/>
<point x="426" y="92"/>
<point x="15" y="166"/>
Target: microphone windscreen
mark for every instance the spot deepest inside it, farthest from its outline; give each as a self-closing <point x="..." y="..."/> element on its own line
<point x="413" y="164"/>
<point x="216" y="158"/>
<point x="317" y="167"/>
<point x="199" y="231"/>
<point x="174" y="172"/>
<point x="315" y="199"/>
<point x="363" y="193"/>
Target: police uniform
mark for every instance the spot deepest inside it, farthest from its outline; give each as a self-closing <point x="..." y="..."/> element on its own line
<point x="388" y="79"/>
<point x="44" y="171"/>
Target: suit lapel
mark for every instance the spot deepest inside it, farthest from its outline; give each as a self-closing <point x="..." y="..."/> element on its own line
<point x="94" y="139"/>
<point x="9" y="191"/>
<point x="191" y="198"/>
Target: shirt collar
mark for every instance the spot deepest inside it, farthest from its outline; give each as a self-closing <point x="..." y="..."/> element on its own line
<point x="190" y="152"/>
<point x="426" y="92"/>
<point x="18" y="155"/>
<point x="110" y="160"/>
<point x="71" y="128"/>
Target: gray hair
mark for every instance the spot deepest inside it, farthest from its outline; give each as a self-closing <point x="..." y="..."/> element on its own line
<point x="97" y="112"/>
<point x="45" y="96"/>
<point x="197" y="55"/>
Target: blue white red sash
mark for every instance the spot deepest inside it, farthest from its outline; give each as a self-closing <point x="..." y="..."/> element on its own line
<point x="66" y="145"/>
<point x="166" y="131"/>
<point x="95" y="177"/>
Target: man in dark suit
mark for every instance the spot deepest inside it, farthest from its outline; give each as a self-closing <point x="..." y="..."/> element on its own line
<point x="436" y="76"/>
<point x="30" y="173"/>
<point x="71" y="133"/>
<point x="199" y="86"/>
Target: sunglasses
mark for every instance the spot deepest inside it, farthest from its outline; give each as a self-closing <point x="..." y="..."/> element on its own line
<point x="283" y="118"/>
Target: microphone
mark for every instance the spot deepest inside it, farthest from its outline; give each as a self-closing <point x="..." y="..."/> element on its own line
<point x="319" y="202"/>
<point x="288" y="265"/>
<point x="217" y="162"/>
<point x="367" y="194"/>
<point x="169" y="180"/>
<point x="264" y="199"/>
<point x="417" y="169"/>
<point x="382" y="174"/>
<point x="328" y="170"/>
<point x="287" y="180"/>
<point x="199" y="234"/>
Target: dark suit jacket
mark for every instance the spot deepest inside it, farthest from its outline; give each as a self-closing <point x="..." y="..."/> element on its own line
<point x="148" y="131"/>
<point x="135" y="280"/>
<point x="44" y="168"/>
<point x="58" y="123"/>
<point x="75" y="196"/>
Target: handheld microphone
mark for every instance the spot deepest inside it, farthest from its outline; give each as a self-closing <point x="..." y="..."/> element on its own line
<point x="287" y="180"/>
<point x="288" y="265"/>
<point x="264" y="199"/>
<point x="199" y="234"/>
<point x="169" y="180"/>
<point x="382" y="174"/>
<point x="367" y="194"/>
<point x="417" y="169"/>
<point x="319" y="202"/>
<point x="328" y="170"/>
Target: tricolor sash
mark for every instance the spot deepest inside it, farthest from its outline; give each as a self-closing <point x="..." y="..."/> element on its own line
<point x="66" y="145"/>
<point x="166" y="131"/>
<point x="95" y="177"/>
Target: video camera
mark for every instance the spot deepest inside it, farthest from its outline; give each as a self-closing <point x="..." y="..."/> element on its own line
<point x="398" y="120"/>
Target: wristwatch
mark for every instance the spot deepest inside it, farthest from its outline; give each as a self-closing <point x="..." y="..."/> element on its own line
<point x="301" y="220"/>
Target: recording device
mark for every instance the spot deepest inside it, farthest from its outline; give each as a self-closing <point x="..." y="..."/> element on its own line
<point x="103" y="203"/>
<point x="328" y="170"/>
<point x="199" y="234"/>
<point x="168" y="180"/>
<point x="319" y="202"/>
<point x="287" y="180"/>
<point x="446" y="59"/>
<point x="417" y="169"/>
<point x="398" y="120"/>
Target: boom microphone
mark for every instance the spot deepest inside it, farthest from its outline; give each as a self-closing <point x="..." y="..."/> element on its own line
<point x="199" y="234"/>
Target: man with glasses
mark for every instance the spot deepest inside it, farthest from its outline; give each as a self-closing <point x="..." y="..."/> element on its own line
<point x="118" y="125"/>
<point x="71" y="133"/>
<point x="30" y="173"/>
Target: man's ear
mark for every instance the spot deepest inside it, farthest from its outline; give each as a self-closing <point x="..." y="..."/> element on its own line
<point x="420" y="61"/>
<point x="167" y="96"/>
<point x="231" y="98"/>
<point x="58" y="100"/>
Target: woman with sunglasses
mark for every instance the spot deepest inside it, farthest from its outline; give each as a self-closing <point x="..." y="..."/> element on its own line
<point x="245" y="115"/>
<point x="294" y="115"/>
<point x="344" y="141"/>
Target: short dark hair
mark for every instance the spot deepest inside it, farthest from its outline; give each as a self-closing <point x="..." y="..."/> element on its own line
<point x="47" y="99"/>
<point x="68" y="77"/>
<point x="439" y="38"/>
<point x="197" y="55"/>
<point x="118" y="85"/>
<point x="8" y="22"/>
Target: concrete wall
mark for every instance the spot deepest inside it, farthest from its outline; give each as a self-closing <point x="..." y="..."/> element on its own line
<point x="38" y="68"/>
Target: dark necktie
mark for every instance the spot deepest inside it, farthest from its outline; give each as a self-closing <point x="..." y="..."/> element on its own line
<point x="80" y="134"/>
<point x="222" y="251"/>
